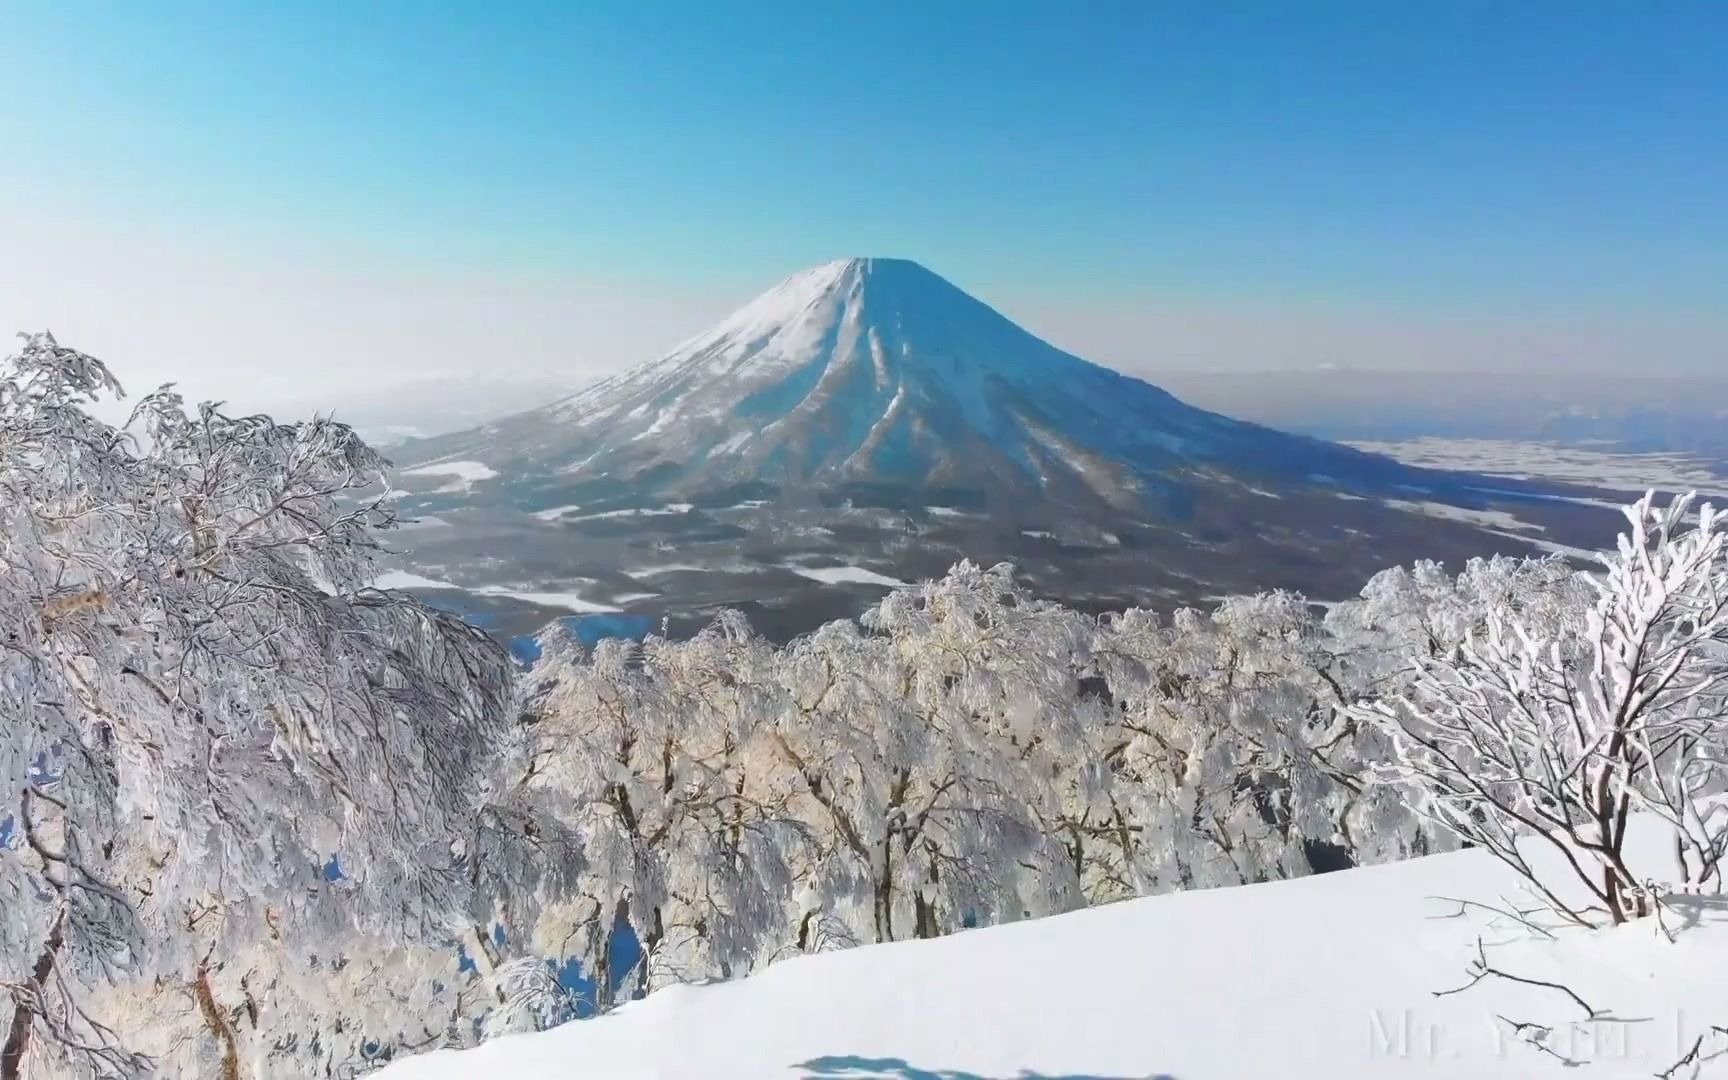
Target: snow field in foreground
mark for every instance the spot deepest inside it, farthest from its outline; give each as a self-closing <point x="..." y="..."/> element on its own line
<point x="1322" y="978"/>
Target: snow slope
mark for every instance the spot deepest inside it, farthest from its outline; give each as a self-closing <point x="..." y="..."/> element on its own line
<point x="1328" y="977"/>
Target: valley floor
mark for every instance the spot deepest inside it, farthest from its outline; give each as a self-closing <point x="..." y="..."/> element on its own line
<point x="1328" y="977"/>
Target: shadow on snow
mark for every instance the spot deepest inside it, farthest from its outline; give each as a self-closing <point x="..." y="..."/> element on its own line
<point x="857" y="1067"/>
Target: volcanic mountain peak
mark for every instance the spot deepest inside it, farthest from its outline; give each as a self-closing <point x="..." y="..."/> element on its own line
<point x="878" y="371"/>
<point x="888" y="312"/>
<point x="865" y="369"/>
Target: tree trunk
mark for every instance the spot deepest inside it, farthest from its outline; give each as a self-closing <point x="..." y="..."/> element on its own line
<point x="217" y="1024"/>
<point x="885" y="895"/>
<point x="23" y="1014"/>
<point x="924" y="918"/>
<point x="649" y="946"/>
<point x="603" y="978"/>
<point x="603" y="997"/>
<point x="485" y="957"/>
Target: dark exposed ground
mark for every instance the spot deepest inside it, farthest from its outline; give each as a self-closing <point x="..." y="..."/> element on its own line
<point x="683" y="565"/>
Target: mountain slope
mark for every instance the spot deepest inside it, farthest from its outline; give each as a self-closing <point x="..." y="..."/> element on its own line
<point x="1323" y="978"/>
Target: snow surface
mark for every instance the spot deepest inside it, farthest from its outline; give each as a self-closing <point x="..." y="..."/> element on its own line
<point x="469" y="471"/>
<point x="1606" y="468"/>
<point x="836" y="575"/>
<point x="1594" y="558"/>
<point x="570" y="601"/>
<point x="669" y="508"/>
<point x="553" y="513"/>
<point x="403" y="579"/>
<point x="567" y="600"/>
<point x="667" y="568"/>
<point x="423" y="521"/>
<point x="1489" y="519"/>
<point x="1323" y="978"/>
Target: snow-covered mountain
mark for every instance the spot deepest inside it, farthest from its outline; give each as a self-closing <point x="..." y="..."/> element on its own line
<point x="865" y="422"/>
<point x="878" y="371"/>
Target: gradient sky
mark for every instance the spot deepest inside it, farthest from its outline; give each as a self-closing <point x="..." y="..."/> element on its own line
<point x="253" y="197"/>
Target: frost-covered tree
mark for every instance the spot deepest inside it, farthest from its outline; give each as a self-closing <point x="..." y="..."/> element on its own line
<point x="650" y="756"/>
<point x="1407" y="613"/>
<point x="329" y="1015"/>
<point x="1231" y="751"/>
<point x="208" y="714"/>
<point x="963" y="754"/>
<point x="927" y="750"/>
<point x="1540" y="724"/>
<point x="735" y="802"/>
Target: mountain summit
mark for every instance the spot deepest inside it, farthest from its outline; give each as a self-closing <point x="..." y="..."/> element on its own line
<point x="865" y="422"/>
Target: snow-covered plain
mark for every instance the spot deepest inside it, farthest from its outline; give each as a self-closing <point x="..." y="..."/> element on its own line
<point x="670" y="508"/>
<point x="1605" y="468"/>
<point x="667" y="568"/>
<point x="1491" y="519"/>
<point x="846" y="575"/>
<point x="553" y="513"/>
<point x="570" y="601"/>
<point x="405" y="579"/>
<point x="1321" y="978"/>
<point x="462" y="470"/>
<point x="464" y="475"/>
<point x="423" y="521"/>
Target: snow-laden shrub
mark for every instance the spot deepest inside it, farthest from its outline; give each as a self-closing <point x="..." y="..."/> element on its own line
<point x="1563" y="723"/>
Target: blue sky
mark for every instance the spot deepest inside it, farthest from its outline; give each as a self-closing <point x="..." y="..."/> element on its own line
<point x="1149" y="184"/>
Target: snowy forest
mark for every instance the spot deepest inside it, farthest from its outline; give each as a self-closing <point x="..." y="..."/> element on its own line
<point x="258" y="818"/>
